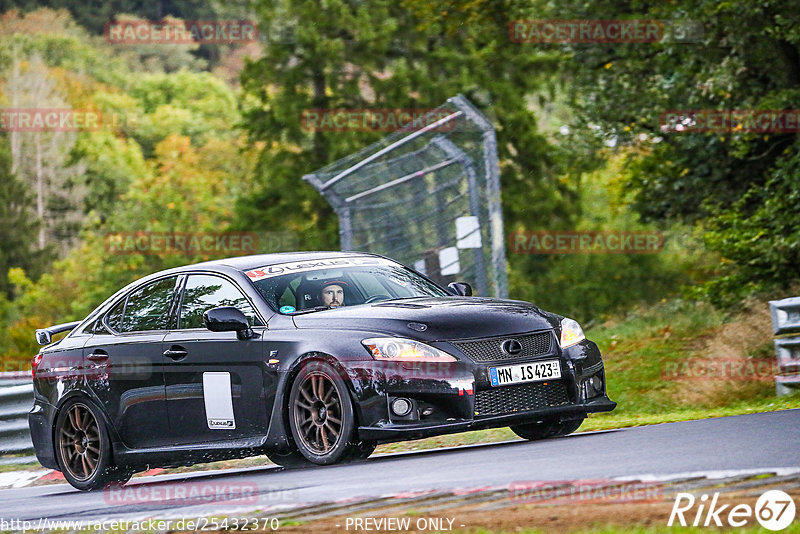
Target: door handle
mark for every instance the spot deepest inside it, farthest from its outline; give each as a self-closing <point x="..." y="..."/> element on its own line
<point x="98" y="356"/>
<point x="176" y="353"/>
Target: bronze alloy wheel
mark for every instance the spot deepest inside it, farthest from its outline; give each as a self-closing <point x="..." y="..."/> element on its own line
<point x="318" y="412"/>
<point x="79" y="441"/>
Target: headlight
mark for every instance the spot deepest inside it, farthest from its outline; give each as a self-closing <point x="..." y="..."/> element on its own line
<point x="571" y="332"/>
<point x="395" y="348"/>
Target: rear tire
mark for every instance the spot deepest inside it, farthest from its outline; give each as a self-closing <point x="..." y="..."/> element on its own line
<point x="547" y="429"/>
<point x="83" y="448"/>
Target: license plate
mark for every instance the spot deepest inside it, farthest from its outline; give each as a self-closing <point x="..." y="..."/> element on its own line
<point x="525" y="372"/>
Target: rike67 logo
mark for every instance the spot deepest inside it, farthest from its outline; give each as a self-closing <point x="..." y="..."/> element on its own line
<point x="774" y="510"/>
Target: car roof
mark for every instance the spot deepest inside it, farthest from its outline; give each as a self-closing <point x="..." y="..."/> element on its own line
<point x="246" y="263"/>
<point x="240" y="263"/>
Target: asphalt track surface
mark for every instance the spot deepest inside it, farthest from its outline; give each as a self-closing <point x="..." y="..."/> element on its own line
<point x="765" y="442"/>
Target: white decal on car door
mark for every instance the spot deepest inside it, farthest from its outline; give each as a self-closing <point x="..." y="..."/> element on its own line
<point x="219" y="401"/>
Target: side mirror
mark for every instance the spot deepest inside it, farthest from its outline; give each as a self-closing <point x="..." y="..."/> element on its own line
<point x="228" y="319"/>
<point x="461" y="289"/>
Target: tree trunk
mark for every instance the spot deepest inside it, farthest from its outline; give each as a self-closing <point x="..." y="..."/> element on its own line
<point x="15" y="139"/>
<point x="320" y="101"/>
<point x="40" y="189"/>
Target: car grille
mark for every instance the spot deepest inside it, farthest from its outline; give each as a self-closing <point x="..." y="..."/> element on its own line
<point x="510" y="399"/>
<point x="491" y="349"/>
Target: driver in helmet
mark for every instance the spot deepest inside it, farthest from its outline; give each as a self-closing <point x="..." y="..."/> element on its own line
<point x="332" y="293"/>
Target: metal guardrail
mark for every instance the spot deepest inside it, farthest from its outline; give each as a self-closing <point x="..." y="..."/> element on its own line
<point x="16" y="399"/>
<point x="786" y="325"/>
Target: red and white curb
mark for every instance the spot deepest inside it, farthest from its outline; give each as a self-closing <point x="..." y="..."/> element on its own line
<point x="21" y="479"/>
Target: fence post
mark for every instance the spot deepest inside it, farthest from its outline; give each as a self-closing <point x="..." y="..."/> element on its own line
<point x="786" y="325"/>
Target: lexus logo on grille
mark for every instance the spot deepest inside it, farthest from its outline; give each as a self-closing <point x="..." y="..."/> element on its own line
<point x="511" y="346"/>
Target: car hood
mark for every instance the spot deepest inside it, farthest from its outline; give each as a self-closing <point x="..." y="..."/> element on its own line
<point x="444" y="318"/>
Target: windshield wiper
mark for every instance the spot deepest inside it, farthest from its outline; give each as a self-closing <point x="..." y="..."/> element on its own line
<point x="323" y="308"/>
<point x="310" y="310"/>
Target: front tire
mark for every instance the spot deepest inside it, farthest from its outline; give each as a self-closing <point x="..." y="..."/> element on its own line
<point x="321" y="415"/>
<point x="83" y="448"/>
<point x="547" y="429"/>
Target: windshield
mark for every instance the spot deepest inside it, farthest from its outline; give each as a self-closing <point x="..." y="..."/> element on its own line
<point x="302" y="287"/>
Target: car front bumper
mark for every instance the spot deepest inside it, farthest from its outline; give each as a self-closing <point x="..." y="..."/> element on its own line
<point x="401" y="432"/>
<point x="458" y="397"/>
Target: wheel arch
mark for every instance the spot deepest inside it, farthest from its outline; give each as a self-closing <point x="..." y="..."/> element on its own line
<point x="282" y="397"/>
<point x="318" y="356"/>
<point x="87" y="397"/>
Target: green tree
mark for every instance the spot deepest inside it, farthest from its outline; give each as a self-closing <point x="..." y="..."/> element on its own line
<point x="60" y="42"/>
<point x="111" y="163"/>
<point x="736" y="184"/>
<point x="18" y="224"/>
<point x="384" y="54"/>
<point x="196" y="105"/>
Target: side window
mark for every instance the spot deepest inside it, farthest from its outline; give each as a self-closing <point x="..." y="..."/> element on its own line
<point x="148" y="308"/>
<point x="114" y="317"/>
<point x="204" y="292"/>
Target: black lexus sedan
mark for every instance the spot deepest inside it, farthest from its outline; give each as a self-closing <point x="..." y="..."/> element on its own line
<point x="308" y="358"/>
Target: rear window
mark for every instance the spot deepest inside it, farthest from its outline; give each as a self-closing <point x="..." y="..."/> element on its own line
<point x="145" y="309"/>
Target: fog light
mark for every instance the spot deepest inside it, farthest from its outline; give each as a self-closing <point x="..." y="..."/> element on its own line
<point x="401" y="407"/>
<point x="597" y="384"/>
